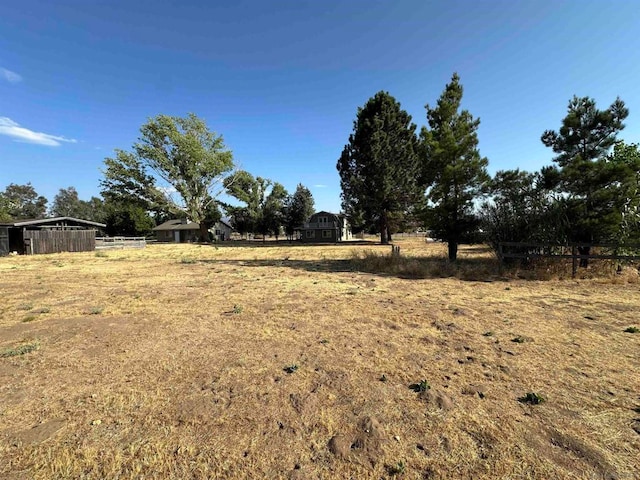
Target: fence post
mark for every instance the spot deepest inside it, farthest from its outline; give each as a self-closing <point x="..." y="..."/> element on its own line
<point x="574" y="266"/>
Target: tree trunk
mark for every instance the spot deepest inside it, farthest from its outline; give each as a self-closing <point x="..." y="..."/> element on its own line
<point x="384" y="239"/>
<point x="584" y="262"/>
<point x="204" y="232"/>
<point x="453" y="250"/>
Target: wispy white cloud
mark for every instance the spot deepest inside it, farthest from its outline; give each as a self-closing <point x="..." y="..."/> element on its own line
<point x="20" y="134"/>
<point x="320" y="186"/>
<point x="9" y="76"/>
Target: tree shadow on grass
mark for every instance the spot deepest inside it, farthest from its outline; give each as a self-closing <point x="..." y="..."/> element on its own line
<point x="410" y="268"/>
<point x="286" y="243"/>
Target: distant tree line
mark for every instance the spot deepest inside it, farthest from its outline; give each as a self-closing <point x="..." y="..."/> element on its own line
<point x="180" y="169"/>
<point x="177" y="169"/>
<point x="393" y="178"/>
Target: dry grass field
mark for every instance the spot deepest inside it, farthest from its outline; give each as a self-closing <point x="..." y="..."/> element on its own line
<point x="277" y="361"/>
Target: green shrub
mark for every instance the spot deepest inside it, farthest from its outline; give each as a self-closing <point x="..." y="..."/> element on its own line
<point x="532" y="398"/>
<point x="421" y="386"/>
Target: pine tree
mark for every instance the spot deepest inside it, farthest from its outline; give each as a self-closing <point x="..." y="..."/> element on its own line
<point x="378" y="168"/>
<point x="452" y="168"/>
<point x="297" y="210"/>
<point x="583" y="176"/>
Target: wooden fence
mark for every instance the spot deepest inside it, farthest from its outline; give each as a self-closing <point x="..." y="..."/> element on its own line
<point x="56" y="241"/>
<point x="112" y="243"/>
<point x="573" y="251"/>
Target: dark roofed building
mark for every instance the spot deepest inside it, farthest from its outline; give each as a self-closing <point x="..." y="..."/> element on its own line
<point x="182" y="230"/>
<point x="326" y="227"/>
<point x="48" y="235"/>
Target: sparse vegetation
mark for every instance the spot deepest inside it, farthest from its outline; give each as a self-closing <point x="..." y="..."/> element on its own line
<point x="96" y="310"/>
<point x="421" y="386"/>
<point x="397" y="469"/>
<point x="632" y="330"/>
<point x="291" y="368"/>
<point x="21" y="349"/>
<point x="237" y="309"/>
<point x="532" y="398"/>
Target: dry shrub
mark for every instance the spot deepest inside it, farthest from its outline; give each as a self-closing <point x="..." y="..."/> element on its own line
<point x="417" y="267"/>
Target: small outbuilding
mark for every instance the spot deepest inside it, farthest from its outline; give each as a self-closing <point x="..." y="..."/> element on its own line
<point x="326" y="227"/>
<point x="184" y="231"/>
<point x="48" y="235"/>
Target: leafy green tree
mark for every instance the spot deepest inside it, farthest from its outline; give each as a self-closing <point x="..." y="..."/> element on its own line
<point x="271" y="218"/>
<point x="4" y="209"/>
<point x="192" y="161"/>
<point x="298" y="208"/>
<point x="251" y="191"/>
<point x="23" y="202"/>
<point x="452" y="167"/>
<point x="521" y="209"/>
<point x="583" y="176"/>
<point x="379" y="169"/>
<point x="622" y="187"/>
<point x="67" y="204"/>
<point x="263" y="204"/>
<point x="127" y="219"/>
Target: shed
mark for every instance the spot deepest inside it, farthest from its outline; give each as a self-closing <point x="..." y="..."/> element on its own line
<point x="325" y="227"/>
<point x="48" y="235"/>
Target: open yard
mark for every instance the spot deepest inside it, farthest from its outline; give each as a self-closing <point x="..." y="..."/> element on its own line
<point x="277" y="361"/>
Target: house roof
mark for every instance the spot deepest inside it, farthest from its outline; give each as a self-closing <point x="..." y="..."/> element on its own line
<point x="51" y="221"/>
<point x="177" y="225"/>
<point x="226" y="221"/>
<point x="329" y="214"/>
<point x="171" y="225"/>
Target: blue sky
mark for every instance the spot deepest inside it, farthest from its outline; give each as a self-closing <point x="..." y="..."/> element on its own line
<point x="282" y="80"/>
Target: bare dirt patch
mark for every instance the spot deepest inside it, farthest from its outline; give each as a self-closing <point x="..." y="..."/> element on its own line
<point x="148" y="366"/>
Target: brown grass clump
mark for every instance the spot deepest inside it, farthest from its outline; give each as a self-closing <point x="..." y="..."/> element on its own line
<point x="291" y="361"/>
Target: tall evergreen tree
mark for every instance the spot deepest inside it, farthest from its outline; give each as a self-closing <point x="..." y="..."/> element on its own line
<point x="452" y="168"/>
<point x="582" y="175"/>
<point x="298" y="208"/>
<point x="379" y="167"/>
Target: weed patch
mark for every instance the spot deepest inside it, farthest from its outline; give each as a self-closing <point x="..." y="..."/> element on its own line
<point x="532" y="398"/>
<point x="19" y="350"/>
<point x="397" y="469"/>
<point x="421" y="386"/>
